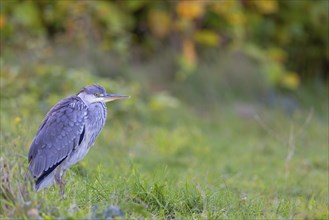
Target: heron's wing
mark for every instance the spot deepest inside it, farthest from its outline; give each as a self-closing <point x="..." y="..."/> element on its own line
<point x="60" y="132"/>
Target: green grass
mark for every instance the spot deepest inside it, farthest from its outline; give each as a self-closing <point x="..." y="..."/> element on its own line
<point x="157" y="160"/>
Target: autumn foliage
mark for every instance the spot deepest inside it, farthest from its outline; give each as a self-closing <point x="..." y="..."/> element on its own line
<point x="288" y="38"/>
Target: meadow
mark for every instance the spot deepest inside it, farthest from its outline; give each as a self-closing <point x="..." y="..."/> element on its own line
<point x="192" y="155"/>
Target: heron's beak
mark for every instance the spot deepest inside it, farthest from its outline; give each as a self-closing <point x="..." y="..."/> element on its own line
<point x="112" y="97"/>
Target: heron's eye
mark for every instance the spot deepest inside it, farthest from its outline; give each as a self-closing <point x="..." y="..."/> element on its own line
<point x="97" y="95"/>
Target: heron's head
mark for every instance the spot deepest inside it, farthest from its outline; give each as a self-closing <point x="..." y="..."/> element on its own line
<point x="96" y="93"/>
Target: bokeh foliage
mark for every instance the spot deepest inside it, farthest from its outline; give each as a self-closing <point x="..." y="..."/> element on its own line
<point x="288" y="38"/>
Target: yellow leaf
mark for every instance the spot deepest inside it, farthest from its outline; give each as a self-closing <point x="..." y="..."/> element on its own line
<point x="190" y="9"/>
<point x="236" y="18"/>
<point x="207" y="37"/>
<point x="159" y="22"/>
<point x="223" y="7"/>
<point x="290" y="80"/>
<point x="17" y="120"/>
<point x="2" y="21"/>
<point x="266" y="6"/>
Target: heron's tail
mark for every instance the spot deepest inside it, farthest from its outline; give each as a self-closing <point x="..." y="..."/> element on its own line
<point x="44" y="182"/>
<point x="46" y="178"/>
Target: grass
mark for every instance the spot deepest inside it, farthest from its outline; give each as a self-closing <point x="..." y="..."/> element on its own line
<point x="160" y="157"/>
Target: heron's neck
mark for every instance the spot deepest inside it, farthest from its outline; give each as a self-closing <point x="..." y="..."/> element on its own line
<point x="87" y="99"/>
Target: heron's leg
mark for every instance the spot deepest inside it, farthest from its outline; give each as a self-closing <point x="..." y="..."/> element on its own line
<point x="59" y="178"/>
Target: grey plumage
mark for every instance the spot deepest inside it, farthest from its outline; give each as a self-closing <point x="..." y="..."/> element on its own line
<point x="67" y="133"/>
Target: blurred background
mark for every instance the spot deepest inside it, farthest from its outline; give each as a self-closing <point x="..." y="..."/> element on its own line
<point x="199" y="49"/>
<point x="208" y="80"/>
<point x="201" y="52"/>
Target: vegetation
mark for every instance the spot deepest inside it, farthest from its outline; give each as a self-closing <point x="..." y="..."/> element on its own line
<point x="224" y="121"/>
<point x="159" y="157"/>
<point x="276" y="32"/>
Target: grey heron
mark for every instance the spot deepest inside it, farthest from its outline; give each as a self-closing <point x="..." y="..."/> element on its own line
<point x="66" y="134"/>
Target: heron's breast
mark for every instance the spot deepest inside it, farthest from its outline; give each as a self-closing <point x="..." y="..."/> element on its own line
<point x="95" y="121"/>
